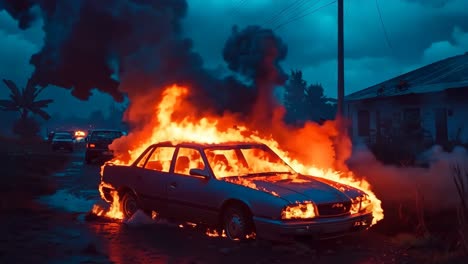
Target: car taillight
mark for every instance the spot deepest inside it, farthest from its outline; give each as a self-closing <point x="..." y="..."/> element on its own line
<point x="91" y="145"/>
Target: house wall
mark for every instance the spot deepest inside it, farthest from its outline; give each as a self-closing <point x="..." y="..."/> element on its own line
<point x="390" y="112"/>
<point x="458" y="120"/>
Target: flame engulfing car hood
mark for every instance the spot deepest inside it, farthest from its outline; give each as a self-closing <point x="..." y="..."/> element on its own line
<point x="298" y="188"/>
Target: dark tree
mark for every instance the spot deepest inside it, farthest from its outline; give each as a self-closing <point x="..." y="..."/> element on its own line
<point x="24" y="101"/>
<point x="294" y="97"/>
<point x="318" y="106"/>
<point x="305" y="102"/>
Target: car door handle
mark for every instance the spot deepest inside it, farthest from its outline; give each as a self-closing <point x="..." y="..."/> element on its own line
<point x="173" y="185"/>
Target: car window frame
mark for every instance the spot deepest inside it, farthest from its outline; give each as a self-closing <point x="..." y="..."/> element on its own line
<point x="203" y="157"/>
<point x="145" y="155"/>
<point x="153" y="150"/>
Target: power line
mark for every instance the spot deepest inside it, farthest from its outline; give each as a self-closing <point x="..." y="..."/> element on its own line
<point x="383" y="25"/>
<point x="238" y="7"/>
<point x="277" y="15"/>
<point x="295" y="12"/>
<point x="304" y="15"/>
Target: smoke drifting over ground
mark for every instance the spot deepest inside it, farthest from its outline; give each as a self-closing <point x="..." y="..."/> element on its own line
<point x="434" y="184"/>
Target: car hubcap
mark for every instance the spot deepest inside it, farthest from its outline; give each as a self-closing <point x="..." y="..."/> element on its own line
<point x="130" y="206"/>
<point x="234" y="227"/>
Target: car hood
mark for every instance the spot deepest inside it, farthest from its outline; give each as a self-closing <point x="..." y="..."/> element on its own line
<point x="299" y="188"/>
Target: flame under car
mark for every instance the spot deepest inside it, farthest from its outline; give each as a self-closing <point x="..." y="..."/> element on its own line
<point x="241" y="188"/>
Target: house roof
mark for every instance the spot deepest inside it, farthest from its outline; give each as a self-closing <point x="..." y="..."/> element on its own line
<point x="438" y="76"/>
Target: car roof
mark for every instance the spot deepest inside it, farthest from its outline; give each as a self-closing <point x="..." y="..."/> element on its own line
<point x="227" y="144"/>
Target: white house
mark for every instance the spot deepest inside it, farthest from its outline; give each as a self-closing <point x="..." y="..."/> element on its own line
<point x="432" y="99"/>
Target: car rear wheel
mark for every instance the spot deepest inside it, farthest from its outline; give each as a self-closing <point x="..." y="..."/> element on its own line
<point x="128" y="205"/>
<point x="237" y="223"/>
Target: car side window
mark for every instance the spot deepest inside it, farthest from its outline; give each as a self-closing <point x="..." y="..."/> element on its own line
<point x="188" y="158"/>
<point x="160" y="159"/>
<point x="143" y="159"/>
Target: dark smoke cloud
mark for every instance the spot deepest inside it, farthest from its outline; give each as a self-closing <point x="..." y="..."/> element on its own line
<point x="256" y="53"/>
<point x="141" y="41"/>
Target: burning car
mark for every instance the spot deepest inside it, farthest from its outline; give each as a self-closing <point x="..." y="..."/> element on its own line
<point x="241" y="188"/>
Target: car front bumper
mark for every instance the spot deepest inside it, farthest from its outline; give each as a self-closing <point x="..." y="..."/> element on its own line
<point x="319" y="228"/>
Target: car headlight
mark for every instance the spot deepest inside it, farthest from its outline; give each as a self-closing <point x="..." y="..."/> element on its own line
<point x="361" y="204"/>
<point x="299" y="211"/>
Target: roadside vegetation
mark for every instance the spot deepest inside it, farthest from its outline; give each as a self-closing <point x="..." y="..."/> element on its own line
<point x="26" y="170"/>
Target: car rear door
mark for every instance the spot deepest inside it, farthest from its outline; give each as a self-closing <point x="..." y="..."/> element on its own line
<point x="191" y="198"/>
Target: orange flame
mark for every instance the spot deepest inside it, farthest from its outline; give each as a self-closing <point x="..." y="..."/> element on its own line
<point x="114" y="211"/>
<point x="164" y="126"/>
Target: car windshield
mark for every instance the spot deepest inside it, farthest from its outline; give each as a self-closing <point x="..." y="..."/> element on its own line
<point x="105" y="135"/>
<point x="257" y="160"/>
<point x="62" y="136"/>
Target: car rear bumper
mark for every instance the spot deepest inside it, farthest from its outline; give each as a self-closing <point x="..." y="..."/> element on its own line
<point x="320" y="228"/>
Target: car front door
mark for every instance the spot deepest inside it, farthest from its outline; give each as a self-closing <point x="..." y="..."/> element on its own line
<point x="191" y="197"/>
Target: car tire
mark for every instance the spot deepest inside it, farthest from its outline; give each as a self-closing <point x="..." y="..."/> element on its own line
<point x="237" y="223"/>
<point x="128" y="205"/>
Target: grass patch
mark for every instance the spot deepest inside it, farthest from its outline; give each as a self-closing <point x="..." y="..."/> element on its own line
<point x="430" y="236"/>
<point x="26" y="171"/>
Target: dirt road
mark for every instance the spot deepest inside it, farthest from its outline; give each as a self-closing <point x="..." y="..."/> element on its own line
<point x="54" y="230"/>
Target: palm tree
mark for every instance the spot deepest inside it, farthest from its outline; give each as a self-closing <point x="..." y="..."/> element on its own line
<point x="24" y="101"/>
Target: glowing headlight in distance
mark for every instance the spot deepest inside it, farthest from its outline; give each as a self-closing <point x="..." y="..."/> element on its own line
<point x="299" y="211"/>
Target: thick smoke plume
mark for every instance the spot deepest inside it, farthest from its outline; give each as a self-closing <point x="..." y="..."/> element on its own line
<point x="434" y="184"/>
<point x="256" y="53"/>
<point x="88" y="43"/>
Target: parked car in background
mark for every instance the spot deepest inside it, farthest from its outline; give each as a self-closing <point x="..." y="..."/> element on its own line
<point x="63" y="141"/>
<point x="241" y="188"/>
<point x="97" y="144"/>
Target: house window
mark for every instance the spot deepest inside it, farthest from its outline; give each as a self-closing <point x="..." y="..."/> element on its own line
<point x="363" y="123"/>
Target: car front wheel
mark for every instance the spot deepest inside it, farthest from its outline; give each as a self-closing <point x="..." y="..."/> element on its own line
<point x="237" y="223"/>
<point x="128" y="205"/>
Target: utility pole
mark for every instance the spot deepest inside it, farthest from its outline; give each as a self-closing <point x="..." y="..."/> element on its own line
<point x="342" y="135"/>
<point x="340" y="107"/>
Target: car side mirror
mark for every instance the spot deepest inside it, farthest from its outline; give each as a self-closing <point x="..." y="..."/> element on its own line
<point x="199" y="173"/>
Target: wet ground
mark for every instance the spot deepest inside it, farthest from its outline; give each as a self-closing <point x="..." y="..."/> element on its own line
<point x="54" y="229"/>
